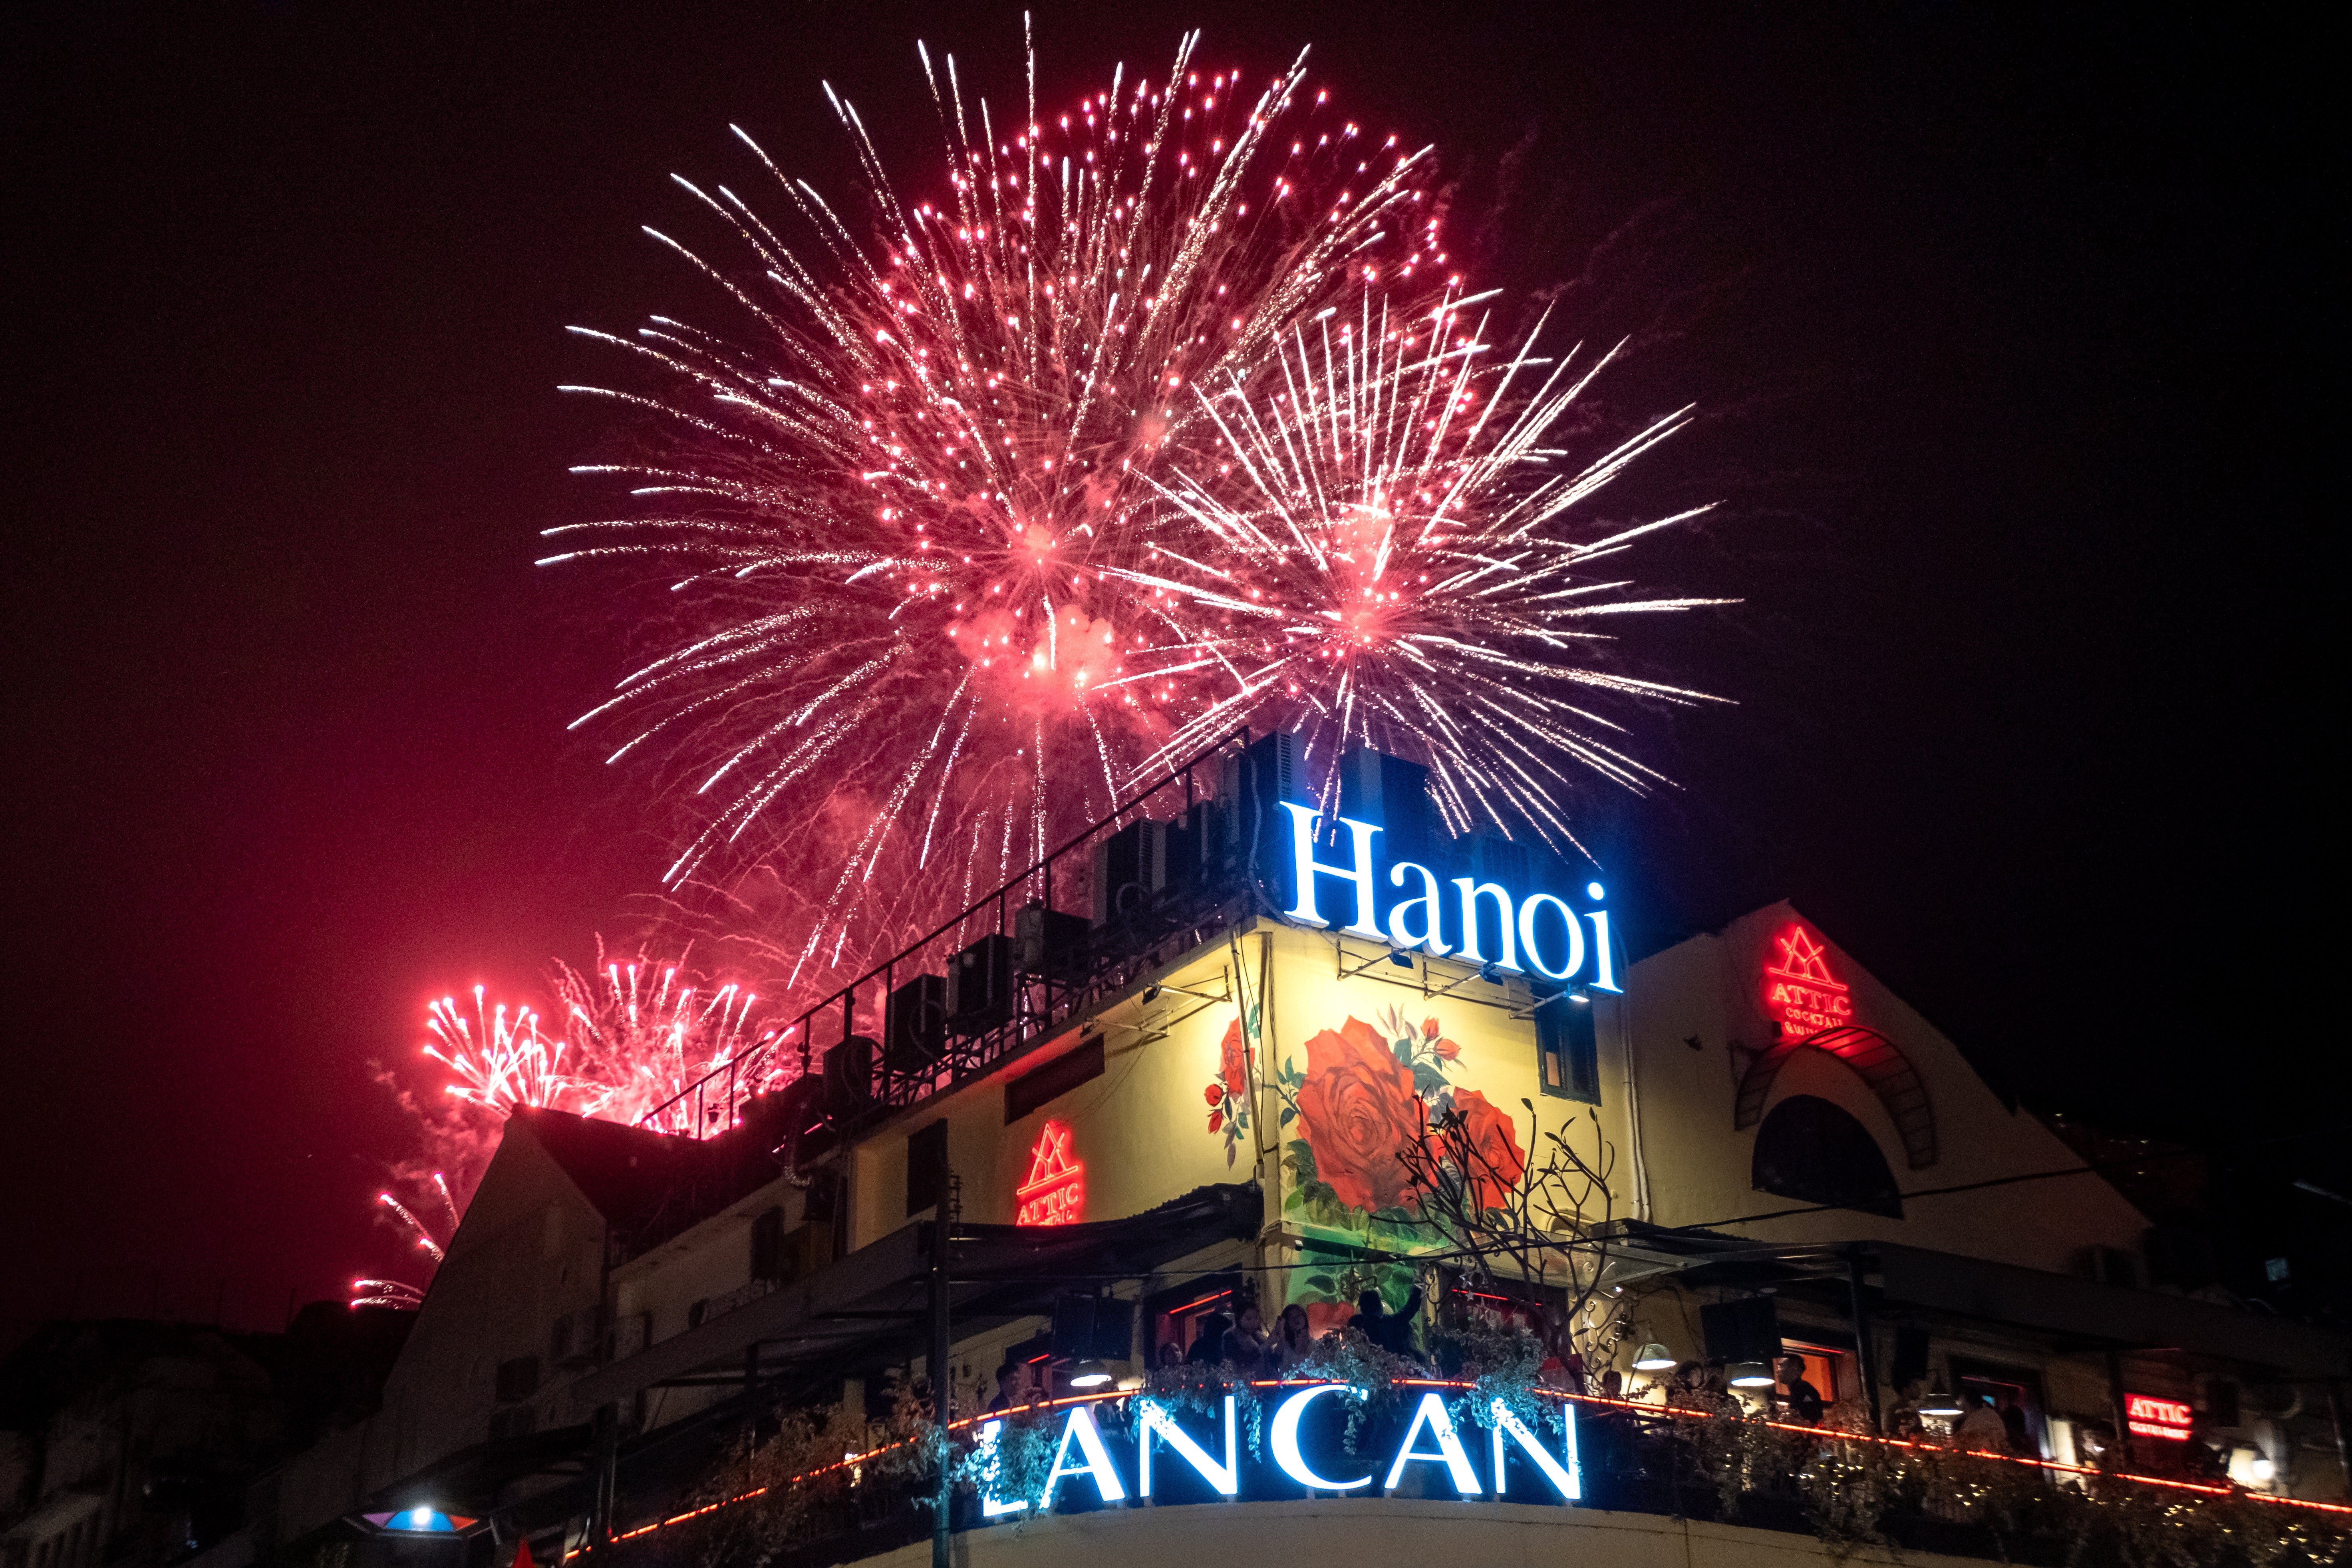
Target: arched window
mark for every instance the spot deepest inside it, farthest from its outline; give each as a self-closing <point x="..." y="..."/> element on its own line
<point x="1810" y="1150"/>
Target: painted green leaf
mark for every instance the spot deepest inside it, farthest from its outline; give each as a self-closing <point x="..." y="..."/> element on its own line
<point x="1426" y="1079"/>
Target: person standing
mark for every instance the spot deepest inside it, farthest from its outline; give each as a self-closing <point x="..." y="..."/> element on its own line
<point x="1796" y="1399"/>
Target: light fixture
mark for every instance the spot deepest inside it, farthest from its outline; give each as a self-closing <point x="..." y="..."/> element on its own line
<point x="1578" y="994"/>
<point x="2261" y="1469"/>
<point x="1401" y="960"/>
<point x="1089" y="1374"/>
<point x="1939" y="1403"/>
<point x="1653" y="1357"/>
<point x="1150" y="994"/>
<point x="1750" y="1374"/>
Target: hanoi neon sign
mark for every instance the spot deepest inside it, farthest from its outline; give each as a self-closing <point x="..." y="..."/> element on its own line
<point x="1477" y="922"/>
<point x="1432" y="1438"/>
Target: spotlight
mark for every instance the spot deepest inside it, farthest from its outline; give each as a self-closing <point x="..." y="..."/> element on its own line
<point x="1940" y="1402"/>
<point x="1089" y="1374"/>
<point x="1750" y="1374"/>
<point x="1150" y="994"/>
<point x="1653" y="1357"/>
<point x="1401" y="960"/>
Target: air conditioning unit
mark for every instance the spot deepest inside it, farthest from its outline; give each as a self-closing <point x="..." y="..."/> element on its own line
<point x="1130" y="871"/>
<point x="1048" y="942"/>
<point x="914" y="1024"/>
<point x="576" y="1338"/>
<point x="629" y="1335"/>
<point x="1255" y="784"/>
<point x="980" y="985"/>
<point x="848" y="1077"/>
<point x="1393" y="794"/>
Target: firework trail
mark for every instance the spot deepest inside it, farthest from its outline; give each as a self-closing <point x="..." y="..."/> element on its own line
<point x="634" y="1034"/>
<point x="644" y="1032"/>
<point x="992" y="508"/>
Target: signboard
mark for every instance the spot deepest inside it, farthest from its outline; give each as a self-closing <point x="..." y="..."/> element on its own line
<point x="2153" y="1418"/>
<point x="1800" y="993"/>
<point x="1055" y="1190"/>
<point x="1519" y="931"/>
<point x="1305" y="1442"/>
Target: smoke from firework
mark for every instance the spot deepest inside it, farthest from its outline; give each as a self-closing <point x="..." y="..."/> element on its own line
<point x="1163" y="414"/>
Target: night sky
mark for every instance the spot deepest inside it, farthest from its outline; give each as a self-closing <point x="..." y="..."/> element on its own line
<point x="2007" y="334"/>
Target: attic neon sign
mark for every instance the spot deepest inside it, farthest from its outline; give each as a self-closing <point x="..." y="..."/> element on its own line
<point x="1432" y="1436"/>
<point x="1799" y="989"/>
<point x="1055" y="1190"/>
<point x="2151" y="1417"/>
<point x="1527" y="933"/>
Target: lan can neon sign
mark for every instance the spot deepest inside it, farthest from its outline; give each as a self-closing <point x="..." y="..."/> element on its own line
<point x="1430" y="1439"/>
<point x="1055" y="1190"/>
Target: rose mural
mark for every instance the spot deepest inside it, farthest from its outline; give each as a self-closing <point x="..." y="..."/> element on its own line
<point x="1228" y="1092"/>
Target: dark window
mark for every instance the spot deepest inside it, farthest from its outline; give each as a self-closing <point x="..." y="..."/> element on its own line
<point x="1056" y="1079"/>
<point x="1810" y="1150"/>
<point x="768" y="1245"/>
<point x="519" y="1378"/>
<point x="927" y="1166"/>
<point x="1568" y="1058"/>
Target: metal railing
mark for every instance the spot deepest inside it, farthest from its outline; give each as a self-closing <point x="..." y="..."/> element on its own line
<point x="1118" y="947"/>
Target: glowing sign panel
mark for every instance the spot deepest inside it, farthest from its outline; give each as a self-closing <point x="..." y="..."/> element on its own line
<point x="1431" y="1438"/>
<point x="1799" y="989"/>
<point x="1056" y="1192"/>
<point x="1527" y="933"/>
<point x="2151" y="1417"/>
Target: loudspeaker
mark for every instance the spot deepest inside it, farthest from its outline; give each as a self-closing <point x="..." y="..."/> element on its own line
<point x="1910" y="1356"/>
<point x="1114" y="1332"/>
<point x="1093" y="1328"/>
<point x="914" y="1024"/>
<point x="980" y="985"/>
<point x="848" y="1077"/>
<point x="1741" y="1330"/>
<point x="1074" y="1328"/>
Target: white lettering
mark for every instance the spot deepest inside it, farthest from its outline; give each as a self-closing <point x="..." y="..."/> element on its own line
<point x="1471" y="893"/>
<point x="1604" y="960"/>
<point x="1282" y="1437"/>
<point x="1427" y="903"/>
<point x="1431" y="1413"/>
<point x="1305" y="866"/>
<point x="990" y="1435"/>
<point x="1528" y="943"/>
<point x="1081" y="1426"/>
<point x="1566" y="1479"/>
<point x="1157" y="1423"/>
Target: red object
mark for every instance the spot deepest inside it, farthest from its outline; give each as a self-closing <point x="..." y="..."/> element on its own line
<point x="1056" y="1192"/>
<point x="522" y="1554"/>
<point x="1800" y="992"/>
<point x="2152" y="1417"/>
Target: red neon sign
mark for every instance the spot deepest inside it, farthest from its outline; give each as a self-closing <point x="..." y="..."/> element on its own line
<point x="1056" y="1192"/>
<point x="2157" y="1417"/>
<point x="1799" y="991"/>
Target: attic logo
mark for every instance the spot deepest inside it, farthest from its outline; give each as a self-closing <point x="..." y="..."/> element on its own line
<point x="1799" y="991"/>
<point x="1056" y="1192"/>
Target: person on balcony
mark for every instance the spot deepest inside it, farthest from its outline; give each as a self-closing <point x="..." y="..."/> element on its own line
<point x="1798" y="1400"/>
<point x="1294" y="1341"/>
<point x="1248" y="1351"/>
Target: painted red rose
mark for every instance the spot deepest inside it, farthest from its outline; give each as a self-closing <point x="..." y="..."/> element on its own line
<point x="1233" y="1064"/>
<point x="1216" y="1120"/>
<point x="1446" y="1051"/>
<point x="1499" y="1163"/>
<point x="1357" y="1111"/>
<point x="1215" y="1094"/>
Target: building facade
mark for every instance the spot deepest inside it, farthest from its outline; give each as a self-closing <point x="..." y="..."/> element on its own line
<point x="1278" y="1057"/>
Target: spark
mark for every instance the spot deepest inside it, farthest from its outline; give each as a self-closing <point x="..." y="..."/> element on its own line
<point x="1160" y="414"/>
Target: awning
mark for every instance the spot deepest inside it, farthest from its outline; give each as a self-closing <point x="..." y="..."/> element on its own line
<point x="881" y="1292"/>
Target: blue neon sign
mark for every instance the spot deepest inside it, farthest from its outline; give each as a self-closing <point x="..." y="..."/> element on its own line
<point x="1536" y="933"/>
